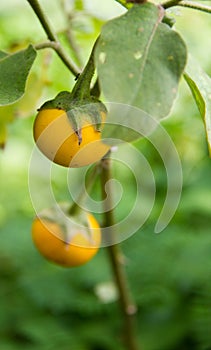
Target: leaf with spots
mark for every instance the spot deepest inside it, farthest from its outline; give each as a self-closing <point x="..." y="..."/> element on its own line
<point x="140" y="60"/>
<point x="14" y="70"/>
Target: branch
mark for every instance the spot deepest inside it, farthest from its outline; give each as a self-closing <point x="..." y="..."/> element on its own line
<point x="46" y="45"/>
<point x="170" y="3"/>
<point x="69" y="34"/>
<point x="195" y="6"/>
<point x="55" y="44"/>
<point x="186" y="3"/>
<point x="128" y="307"/>
<point x="85" y="191"/>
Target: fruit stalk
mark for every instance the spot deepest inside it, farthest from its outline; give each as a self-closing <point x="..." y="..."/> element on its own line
<point x="128" y="307"/>
<point x="81" y="89"/>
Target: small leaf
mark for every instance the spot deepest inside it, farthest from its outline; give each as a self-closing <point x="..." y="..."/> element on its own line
<point x="200" y="86"/>
<point x="14" y="70"/>
<point x="140" y="60"/>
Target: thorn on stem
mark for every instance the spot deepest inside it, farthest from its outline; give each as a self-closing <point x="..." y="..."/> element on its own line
<point x="77" y="76"/>
<point x="79" y="136"/>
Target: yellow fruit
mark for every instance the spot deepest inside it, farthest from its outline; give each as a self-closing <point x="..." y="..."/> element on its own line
<point x="55" y="137"/>
<point x="51" y="241"/>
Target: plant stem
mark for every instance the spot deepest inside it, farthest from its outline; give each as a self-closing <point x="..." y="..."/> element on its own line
<point x="186" y="3"/>
<point x="81" y="90"/>
<point x="75" y="207"/>
<point x="95" y="90"/>
<point x="69" y="34"/>
<point x="128" y="307"/>
<point x="195" y="6"/>
<point x="170" y="3"/>
<point x="52" y="37"/>
<point x="46" y="45"/>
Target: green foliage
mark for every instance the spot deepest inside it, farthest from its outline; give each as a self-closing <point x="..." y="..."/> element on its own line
<point x="44" y="307"/>
<point x="174" y="283"/>
<point x="140" y="60"/>
<point x="14" y="70"/>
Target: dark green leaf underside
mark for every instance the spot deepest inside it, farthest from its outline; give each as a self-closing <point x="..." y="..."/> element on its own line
<point x="14" y="70"/>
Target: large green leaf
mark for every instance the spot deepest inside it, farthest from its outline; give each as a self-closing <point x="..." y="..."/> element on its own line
<point x="14" y="70"/>
<point x="200" y="85"/>
<point x="140" y="60"/>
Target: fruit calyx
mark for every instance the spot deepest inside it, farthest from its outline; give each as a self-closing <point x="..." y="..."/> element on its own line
<point x="69" y="224"/>
<point x="79" y="112"/>
<point x="81" y="108"/>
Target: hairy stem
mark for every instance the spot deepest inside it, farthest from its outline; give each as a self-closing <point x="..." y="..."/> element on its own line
<point x="51" y="35"/>
<point x="127" y="306"/>
<point x="186" y="3"/>
<point x="82" y="87"/>
<point x="195" y="6"/>
<point x="95" y="90"/>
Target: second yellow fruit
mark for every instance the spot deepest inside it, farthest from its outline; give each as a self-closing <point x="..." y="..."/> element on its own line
<point x="51" y="240"/>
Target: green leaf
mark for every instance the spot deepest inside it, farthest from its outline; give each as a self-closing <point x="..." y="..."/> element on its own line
<point x="140" y="60"/>
<point x="200" y="85"/>
<point x="14" y="70"/>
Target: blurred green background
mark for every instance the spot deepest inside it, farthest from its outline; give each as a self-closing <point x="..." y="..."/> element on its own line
<point x="43" y="306"/>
